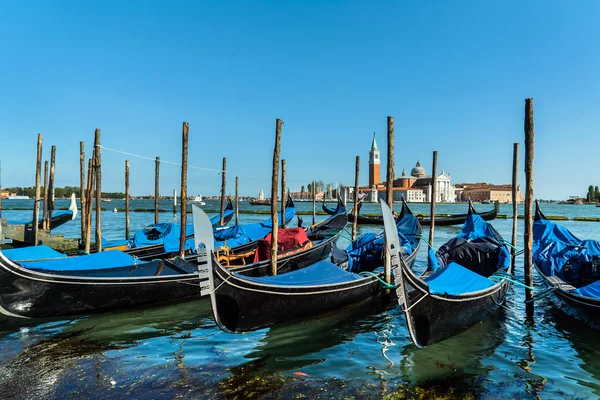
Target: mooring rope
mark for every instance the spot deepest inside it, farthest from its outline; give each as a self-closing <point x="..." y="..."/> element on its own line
<point x="541" y="295"/>
<point x="510" y="278"/>
<point x="161" y="161"/>
<point x="384" y="283"/>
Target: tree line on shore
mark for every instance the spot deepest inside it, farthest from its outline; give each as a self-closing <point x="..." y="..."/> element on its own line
<point x="593" y="194"/>
<point x="60" y="193"/>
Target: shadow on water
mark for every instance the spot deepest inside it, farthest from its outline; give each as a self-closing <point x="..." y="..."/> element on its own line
<point x="53" y="353"/>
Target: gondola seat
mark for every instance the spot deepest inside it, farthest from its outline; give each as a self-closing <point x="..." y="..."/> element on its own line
<point x="321" y="273"/>
<point x="455" y="279"/>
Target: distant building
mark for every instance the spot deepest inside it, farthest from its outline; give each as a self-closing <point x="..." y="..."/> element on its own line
<point x="374" y="164"/>
<point x="4" y="194"/>
<point x="416" y="187"/>
<point x="487" y="192"/>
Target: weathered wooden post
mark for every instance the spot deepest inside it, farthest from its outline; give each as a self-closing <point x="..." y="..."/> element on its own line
<point x="283" y="197"/>
<point x="355" y="209"/>
<point x="184" y="159"/>
<point x="314" y="198"/>
<point x="274" y="182"/>
<point x="82" y="199"/>
<point x="91" y="179"/>
<point x="45" y="212"/>
<point x="98" y="169"/>
<point x="390" y="163"/>
<point x="126" y="199"/>
<point x="223" y="188"/>
<point x="51" y="186"/>
<point x="433" y="197"/>
<point x="515" y="205"/>
<point x="529" y="138"/>
<point x="156" y="188"/>
<point x="389" y="190"/>
<point x="36" y="203"/>
<point x="237" y="210"/>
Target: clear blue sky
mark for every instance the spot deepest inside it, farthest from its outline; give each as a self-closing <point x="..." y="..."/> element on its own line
<point x="453" y="74"/>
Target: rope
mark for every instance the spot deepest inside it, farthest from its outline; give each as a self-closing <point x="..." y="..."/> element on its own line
<point x="384" y="283"/>
<point x="506" y="243"/>
<point x="510" y="278"/>
<point x="426" y="240"/>
<point x="161" y="161"/>
<point x="543" y="294"/>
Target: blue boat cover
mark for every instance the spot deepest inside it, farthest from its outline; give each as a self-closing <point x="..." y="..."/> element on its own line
<point x="41" y="252"/>
<point x="55" y="214"/>
<point x="557" y="252"/>
<point x="476" y="230"/>
<point x="366" y="252"/>
<point x="591" y="290"/>
<point x="321" y="273"/>
<point x="102" y="260"/>
<point x="238" y="235"/>
<point x="455" y="280"/>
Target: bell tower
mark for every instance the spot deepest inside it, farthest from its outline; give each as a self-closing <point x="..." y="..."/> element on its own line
<point x="374" y="163"/>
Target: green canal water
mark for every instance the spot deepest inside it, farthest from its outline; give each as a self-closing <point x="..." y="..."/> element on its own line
<point x="176" y="351"/>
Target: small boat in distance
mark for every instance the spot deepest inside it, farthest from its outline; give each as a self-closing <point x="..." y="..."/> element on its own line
<point x="260" y="200"/>
<point x="106" y="200"/>
<point x="198" y="200"/>
<point x="15" y="197"/>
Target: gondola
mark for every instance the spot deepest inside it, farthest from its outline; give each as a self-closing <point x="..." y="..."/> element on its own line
<point x="162" y="238"/>
<point x="237" y="237"/>
<point x="465" y="282"/>
<point x="569" y="268"/>
<point x="447" y="220"/>
<point x="47" y="284"/>
<point x="58" y="217"/>
<point x="244" y="303"/>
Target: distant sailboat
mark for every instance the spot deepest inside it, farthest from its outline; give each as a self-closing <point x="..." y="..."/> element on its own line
<point x="198" y="200"/>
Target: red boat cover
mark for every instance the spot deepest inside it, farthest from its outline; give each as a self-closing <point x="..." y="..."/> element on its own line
<point x="287" y="240"/>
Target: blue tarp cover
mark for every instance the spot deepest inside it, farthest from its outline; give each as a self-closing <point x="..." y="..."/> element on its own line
<point x="366" y="252"/>
<point x="103" y="260"/>
<point x="455" y="279"/>
<point x="41" y="252"/>
<point x="591" y="290"/>
<point x="238" y="235"/>
<point x="473" y="229"/>
<point x="557" y="252"/>
<point x="55" y="214"/>
<point x="321" y="273"/>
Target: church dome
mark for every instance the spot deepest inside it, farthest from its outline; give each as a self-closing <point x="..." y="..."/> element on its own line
<point x="418" y="171"/>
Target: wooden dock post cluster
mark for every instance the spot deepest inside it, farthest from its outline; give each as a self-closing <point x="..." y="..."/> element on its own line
<point x="51" y="186"/>
<point x="36" y="204"/>
<point x="98" y="167"/>
<point x="237" y="200"/>
<point x="528" y="235"/>
<point x="82" y="194"/>
<point x="314" y="199"/>
<point x="433" y="197"/>
<point x="45" y="211"/>
<point x="274" y="191"/>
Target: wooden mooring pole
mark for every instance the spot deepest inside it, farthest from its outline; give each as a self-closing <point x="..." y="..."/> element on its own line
<point x="515" y="205"/>
<point x="174" y="204"/>
<point x="355" y="208"/>
<point x="183" y="197"/>
<point x="274" y="182"/>
<point x="126" y="199"/>
<point x="283" y="197"/>
<point x="51" y="186"/>
<point x="156" y="188"/>
<point x="98" y="169"/>
<point x="223" y="189"/>
<point x="389" y="187"/>
<point x="237" y="199"/>
<point x="314" y="199"/>
<point x="45" y="212"/>
<point x="91" y="180"/>
<point x="36" y="203"/>
<point x="82" y="203"/>
<point x="433" y="198"/>
<point x="528" y="236"/>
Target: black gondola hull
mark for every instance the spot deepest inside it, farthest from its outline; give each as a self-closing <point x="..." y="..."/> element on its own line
<point x="434" y="318"/>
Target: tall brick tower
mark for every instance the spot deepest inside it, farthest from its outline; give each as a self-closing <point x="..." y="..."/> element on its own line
<point x="374" y="162"/>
